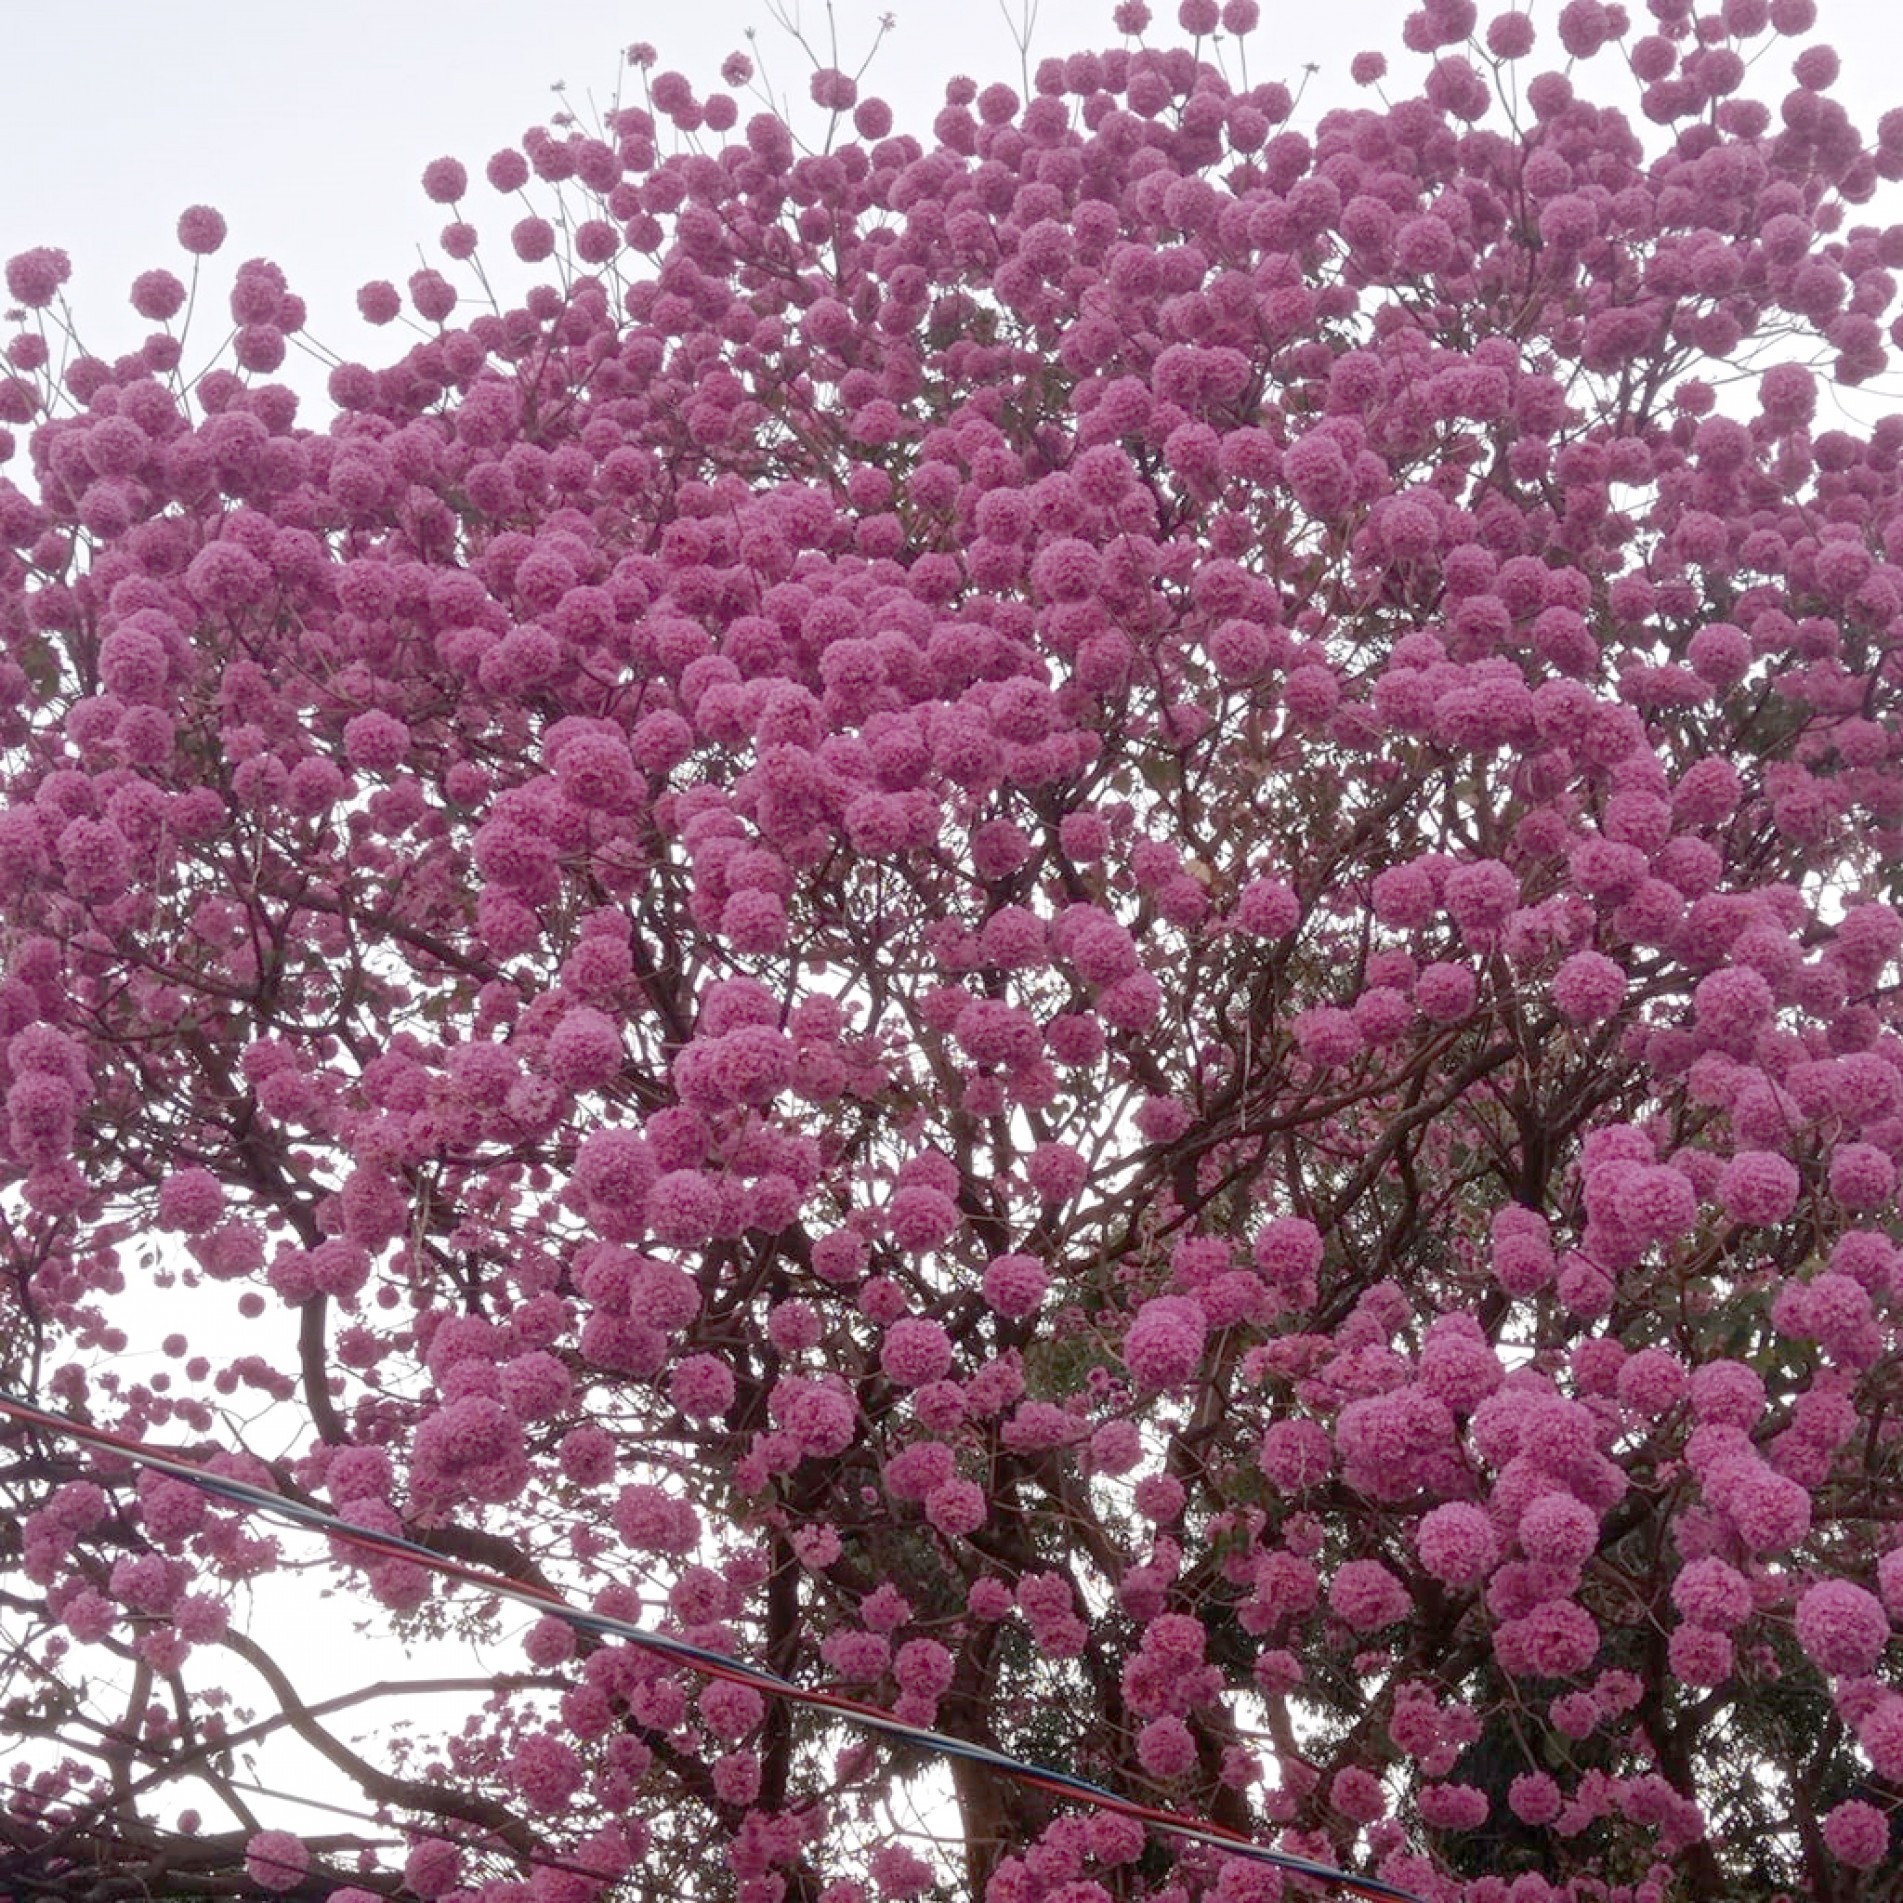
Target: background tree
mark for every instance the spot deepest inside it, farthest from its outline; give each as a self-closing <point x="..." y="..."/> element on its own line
<point x="1089" y="925"/>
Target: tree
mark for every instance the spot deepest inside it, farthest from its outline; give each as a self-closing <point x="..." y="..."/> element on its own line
<point x="1088" y="925"/>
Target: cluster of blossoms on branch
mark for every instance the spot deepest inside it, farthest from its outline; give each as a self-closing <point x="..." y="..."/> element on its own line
<point x="1090" y="923"/>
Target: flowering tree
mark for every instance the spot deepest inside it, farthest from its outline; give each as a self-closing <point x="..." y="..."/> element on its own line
<point x="1087" y="925"/>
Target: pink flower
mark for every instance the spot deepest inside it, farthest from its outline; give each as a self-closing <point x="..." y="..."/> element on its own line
<point x="1534" y="1798"/>
<point x="898" y="1872"/>
<point x="924" y="1667"/>
<point x="922" y="1219"/>
<point x="474" y="1445"/>
<point x="1357" y="1794"/>
<point x="1453" y="1806"/>
<point x="1268" y="908"/>
<point x="749" y="1065"/>
<point x="1074" y="1039"/>
<point x="1728" y="1392"/>
<point x="1382" y="1015"/>
<point x="507" y="170"/>
<point x="1557" y="1639"/>
<point x="1100" y="949"/>
<point x="535" y="1385"/>
<point x="736" y="1776"/>
<point x="1890" y="1580"/>
<point x="172" y="1509"/>
<point x="1842" y="1628"/>
<point x="585" y="1050"/>
<point x="1159" y="1497"/>
<point x="1296" y="1454"/>
<point x="89" y="1616"/>
<point x="94" y="858"/>
<point x="1390" y="1442"/>
<point x="1165" y="1748"/>
<point x="754" y="921"/>
<point x="650" y="1521"/>
<point x="1176" y="1636"/>
<point x="34" y="277"/>
<point x="701" y="1386"/>
<point x="1014" y="1285"/>
<point x="1730" y="1005"/>
<point x="1056" y="1171"/>
<point x="224" y="575"/>
<point x="956" y="1507"/>
<point x="731" y="1710"/>
<point x="1328" y="1036"/>
<point x="1771" y="1512"/>
<point x="1288" y="1250"/>
<point x="547" y="1772"/>
<point x="431" y="1869"/>
<point x="1559" y="1531"/>
<point x="1446" y="992"/>
<point x="1479" y="896"/>
<point x="1117" y="1446"/>
<point x="821" y="1419"/>
<point x="201" y="229"/>
<point x="1404" y="896"/>
<point x="1710" y="1593"/>
<point x="1588" y="988"/>
<point x="42" y="1115"/>
<point x="376" y="742"/>
<point x="586" y="1455"/>
<point x="1655" y="1203"/>
<point x="614" y="1167"/>
<point x="684" y="1208"/>
<point x="379" y="302"/>
<point x="1700" y="1655"/>
<point x="1131" y="1003"/>
<point x="1165" y="1341"/>
<point x="144" y="1582"/>
<point x="915" y="1352"/>
<point x="445" y="181"/>
<point x="1458" y="1365"/>
<point x="994" y="1032"/>
<point x="1857" y="1833"/>
<point x="1881" y="1735"/>
<point x="1522" y="1264"/>
<point x="1833" y="1310"/>
<point x="275" y="1860"/>
<point x="794" y="1326"/>
<point x="1510" y="35"/>
<point x="1366" y="1596"/>
<point x="1457" y="1543"/>
<point x="1862" y="1177"/>
<point x="533" y="239"/>
<point x="1066" y="570"/>
<point x="1758" y="1187"/>
<point x="1651" y="1382"/>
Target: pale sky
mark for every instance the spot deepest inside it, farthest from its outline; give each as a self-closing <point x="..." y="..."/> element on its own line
<point x="308" y="127"/>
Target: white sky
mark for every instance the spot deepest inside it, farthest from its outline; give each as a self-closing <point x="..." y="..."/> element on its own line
<point x="308" y="127"/>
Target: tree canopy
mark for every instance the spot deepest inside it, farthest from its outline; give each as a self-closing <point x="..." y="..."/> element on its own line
<point x="1084" y="924"/>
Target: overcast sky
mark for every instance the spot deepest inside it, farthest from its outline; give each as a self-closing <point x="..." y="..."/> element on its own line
<point x="309" y="126"/>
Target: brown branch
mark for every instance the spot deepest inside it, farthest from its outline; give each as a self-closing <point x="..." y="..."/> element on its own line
<point x="381" y="1786"/>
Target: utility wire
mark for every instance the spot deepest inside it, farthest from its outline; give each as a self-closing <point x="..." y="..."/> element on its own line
<point x="709" y="1663"/>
